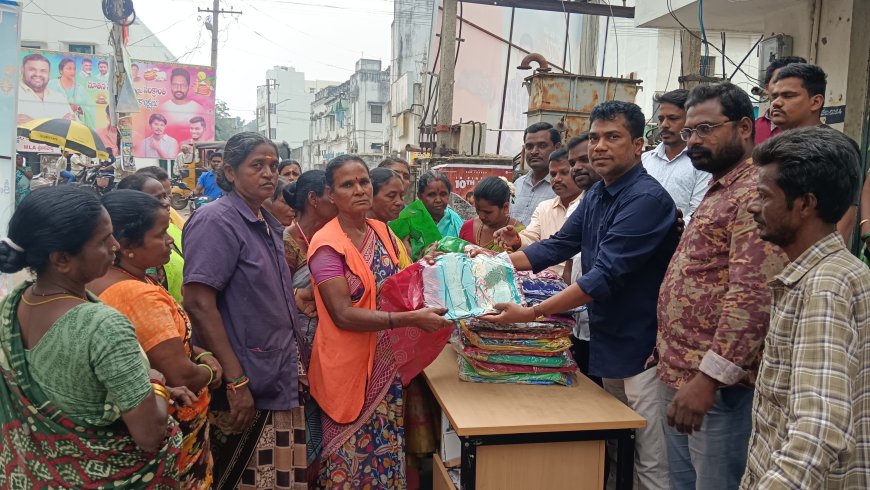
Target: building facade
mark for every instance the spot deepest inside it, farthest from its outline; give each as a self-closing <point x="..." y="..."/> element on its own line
<point x="352" y="117"/>
<point x="284" y="105"/>
<point x="79" y="27"/>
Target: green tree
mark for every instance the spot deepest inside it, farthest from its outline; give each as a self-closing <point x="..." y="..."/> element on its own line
<point x="225" y="125"/>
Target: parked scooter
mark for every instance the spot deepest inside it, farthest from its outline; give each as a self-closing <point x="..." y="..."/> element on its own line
<point x="181" y="194"/>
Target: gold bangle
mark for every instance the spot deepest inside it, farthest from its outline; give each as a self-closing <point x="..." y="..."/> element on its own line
<point x="862" y="223"/>
<point x="161" y="392"/>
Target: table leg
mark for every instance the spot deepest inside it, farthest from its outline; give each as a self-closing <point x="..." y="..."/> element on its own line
<point x="625" y="461"/>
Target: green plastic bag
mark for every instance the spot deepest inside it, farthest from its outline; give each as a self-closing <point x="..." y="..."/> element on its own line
<point x="415" y="223"/>
<point x="453" y="244"/>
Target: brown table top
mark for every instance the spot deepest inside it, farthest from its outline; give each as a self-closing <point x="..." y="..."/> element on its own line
<point x="491" y="409"/>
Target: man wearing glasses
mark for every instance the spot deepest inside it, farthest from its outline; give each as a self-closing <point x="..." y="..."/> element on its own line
<point x="713" y="306"/>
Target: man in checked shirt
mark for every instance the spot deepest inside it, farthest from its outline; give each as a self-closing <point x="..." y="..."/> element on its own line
<point x="811" y="414"/>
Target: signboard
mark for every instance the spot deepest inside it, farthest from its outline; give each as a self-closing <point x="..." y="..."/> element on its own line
<point x="176" y="107"/>
<point x="56" y="84"/>
<point x="465" y="178"/>
<point x="834" y="114"/>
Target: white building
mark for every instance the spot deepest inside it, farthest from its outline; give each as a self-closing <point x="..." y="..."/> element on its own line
<point x="833" y="34"/>
<point x="412" y="34"/>
<point x="352" y="117"/>
<point x="489" y="87"/>
<point x="80" y="27"/>
<point x="284" y="108"/>
<point x="653" y="55"/>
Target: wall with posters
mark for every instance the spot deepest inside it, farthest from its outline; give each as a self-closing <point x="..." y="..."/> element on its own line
<point x="176" y="107"/>
<point x="55" y="84"/>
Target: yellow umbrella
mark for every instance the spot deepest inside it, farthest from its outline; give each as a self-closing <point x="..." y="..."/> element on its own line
<point x="65" y="134"/>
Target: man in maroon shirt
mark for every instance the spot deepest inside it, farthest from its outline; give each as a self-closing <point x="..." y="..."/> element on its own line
<point x="764" y="126"/>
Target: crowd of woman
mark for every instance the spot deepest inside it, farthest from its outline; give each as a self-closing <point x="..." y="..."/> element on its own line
<point x="244" y="349"/>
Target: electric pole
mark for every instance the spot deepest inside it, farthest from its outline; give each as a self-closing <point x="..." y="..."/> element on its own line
<point x="446" y="75"/>
<point x="269" y="84"/>
<point x="215" y="12"/>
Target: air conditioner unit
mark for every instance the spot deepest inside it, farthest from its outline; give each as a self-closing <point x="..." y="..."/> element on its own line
<point x="771" y="49"/>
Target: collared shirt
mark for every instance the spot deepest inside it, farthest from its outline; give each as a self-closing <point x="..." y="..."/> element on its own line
<point x="547" y="219"/>
<point x="52" y="104"/>
<point x="208" y="181"/>
<point x="686" y="184"/>
<point x="167" y="146"/>
<point x="229" y="249"/>
<point x="627" y="234"/>
<point x="714" y="304"/>
<point x="581" y="318"/>
<point x="529" y="196"/>
<point x="765" y="128"/>
<point x="811" y="413"/>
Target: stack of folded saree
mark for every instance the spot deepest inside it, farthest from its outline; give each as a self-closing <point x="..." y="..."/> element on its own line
<point x="523" y="353"/>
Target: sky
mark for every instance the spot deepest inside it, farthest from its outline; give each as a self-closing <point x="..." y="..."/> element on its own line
<point x="323" y="38"/>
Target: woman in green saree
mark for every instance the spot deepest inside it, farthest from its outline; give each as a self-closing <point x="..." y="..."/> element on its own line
<point x="78" y="405"/>
<point x="429" y="218"/>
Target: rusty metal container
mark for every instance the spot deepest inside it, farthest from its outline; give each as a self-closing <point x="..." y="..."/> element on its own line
<point x="566" y="101"/>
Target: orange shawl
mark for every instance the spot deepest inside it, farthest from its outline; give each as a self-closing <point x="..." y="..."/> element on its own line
<point x="342" y="360"/>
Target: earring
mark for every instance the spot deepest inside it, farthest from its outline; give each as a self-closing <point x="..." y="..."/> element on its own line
<point x="131" y="255"/>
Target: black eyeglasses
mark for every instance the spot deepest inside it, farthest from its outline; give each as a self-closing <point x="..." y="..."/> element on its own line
<point x="703" y="130"/>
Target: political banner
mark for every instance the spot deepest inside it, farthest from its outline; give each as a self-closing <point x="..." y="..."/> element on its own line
<point x="73" y="86"/>
<point x="176" y="107"/>
<point x="465" y="177"/>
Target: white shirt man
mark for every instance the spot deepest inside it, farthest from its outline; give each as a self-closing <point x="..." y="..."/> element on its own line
<point x="686" y="184"/>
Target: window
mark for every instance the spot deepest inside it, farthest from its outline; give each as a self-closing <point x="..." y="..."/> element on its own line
<point x="261" y="114"/>
<point x="377" y="113"/>
<point x="81" y="48"/>
<point x="272" y="108"/>
<point x="708" y="66"/>
<point x="32" y="45"/>
<point x="332" y="123"/>
<point x="273" y="133"/>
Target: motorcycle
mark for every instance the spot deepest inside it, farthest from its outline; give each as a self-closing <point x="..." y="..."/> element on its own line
<point x="198" y="202"/>
<point x="99" y="182"/>
<point x="180" y="194"/>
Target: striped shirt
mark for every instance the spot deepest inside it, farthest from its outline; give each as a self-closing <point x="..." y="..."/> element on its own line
<point x="811" y="414"/>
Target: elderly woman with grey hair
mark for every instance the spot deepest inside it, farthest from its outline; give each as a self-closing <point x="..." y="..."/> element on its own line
<point x="238" y="292"/>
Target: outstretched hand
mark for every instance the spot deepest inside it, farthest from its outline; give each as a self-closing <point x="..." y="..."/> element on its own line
<point x="510" y="313"/>
<point x="508" y="238"/>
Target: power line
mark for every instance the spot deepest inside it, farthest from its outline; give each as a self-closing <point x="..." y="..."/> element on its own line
<point x="53" y="17"/>
<point x="162" y="30"/>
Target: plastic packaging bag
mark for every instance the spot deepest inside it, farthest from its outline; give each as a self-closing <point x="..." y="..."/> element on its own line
<point x="452" y="244"/>
<point x="417" y="224"/>
<point x="413" y="348"/>
<point x="468" y="373"/>
<point x="469" y="287"/>
<point x="543" y="345"/>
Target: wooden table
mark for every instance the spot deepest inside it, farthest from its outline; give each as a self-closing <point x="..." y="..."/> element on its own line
<point x="529" y="436"/>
